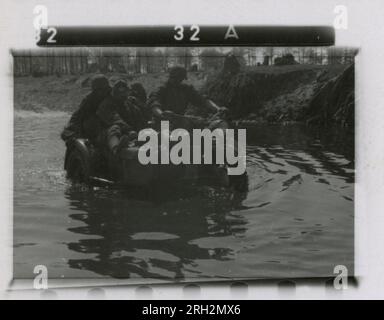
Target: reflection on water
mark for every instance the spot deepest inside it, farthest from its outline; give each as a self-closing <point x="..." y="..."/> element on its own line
<point x="296" y="220"/>
<point x="140" y="238"/>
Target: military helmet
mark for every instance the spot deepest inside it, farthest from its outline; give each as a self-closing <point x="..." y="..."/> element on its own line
<point x="138" y="91"/>
<point x="100" y="81"/>
<point x="179" y="73"/>
<point x="120" y="84"/>
<point x="119" y="87"/>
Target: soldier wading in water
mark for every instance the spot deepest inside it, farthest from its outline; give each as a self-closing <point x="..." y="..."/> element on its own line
<point x="172" y="100"/>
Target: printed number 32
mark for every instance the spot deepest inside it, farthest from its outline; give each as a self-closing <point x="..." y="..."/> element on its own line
<point x="52" y="32"/>
<point x="180" y="33"/>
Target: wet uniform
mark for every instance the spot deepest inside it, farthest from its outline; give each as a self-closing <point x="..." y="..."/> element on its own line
<point x="176" y="98"/>
<point x="112" y="123"/>
<point x="82" y="123"/>
<point x="134" y="113"/>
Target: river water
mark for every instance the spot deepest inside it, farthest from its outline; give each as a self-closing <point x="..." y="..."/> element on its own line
<point x="296" y="220"/>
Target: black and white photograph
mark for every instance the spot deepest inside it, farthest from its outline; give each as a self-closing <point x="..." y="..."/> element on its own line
<point x="192" y="157"/>
<point x="184" y="163"/>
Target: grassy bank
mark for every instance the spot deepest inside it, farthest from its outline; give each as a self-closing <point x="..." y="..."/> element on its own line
<point x="269" y="92"/>
<point x="66" y="92"/>
<point x="266" y="93"/>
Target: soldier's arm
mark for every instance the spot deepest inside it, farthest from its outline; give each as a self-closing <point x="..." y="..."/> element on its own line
<point x="116" y="131"/>
<point x="121" y="124"/>
<point x="137" y="111"/>
<point x="200" y="101"/>
<point x="213" y="106"/>
<point x="106" y="113"/>
<point x="155" y="102"/>
<point x="73" y="129"/>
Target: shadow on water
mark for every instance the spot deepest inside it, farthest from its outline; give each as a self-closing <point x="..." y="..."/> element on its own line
<point x="138" y="237"/>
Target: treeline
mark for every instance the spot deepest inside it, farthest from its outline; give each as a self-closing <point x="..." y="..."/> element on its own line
<point x="59" y="61"/>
